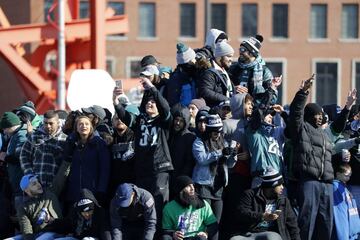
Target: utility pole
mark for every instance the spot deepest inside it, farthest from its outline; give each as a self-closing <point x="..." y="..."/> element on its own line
<point x="207" y="19"/>
<point x="61" y="90"/>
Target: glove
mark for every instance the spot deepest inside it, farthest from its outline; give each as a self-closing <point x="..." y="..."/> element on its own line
<point x="228" y="151"/>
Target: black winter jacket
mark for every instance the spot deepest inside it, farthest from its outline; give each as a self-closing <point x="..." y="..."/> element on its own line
<point x="251" y="207"/>
<point x="312" y="147"/>
<point x="212" y="87"/>
<point x="180" y="144"/>
<point x="75" y="224"/>
<point x="152" y="153"/>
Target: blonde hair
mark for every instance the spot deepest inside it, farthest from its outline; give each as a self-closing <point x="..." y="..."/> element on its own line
<point x="77" y="121"/>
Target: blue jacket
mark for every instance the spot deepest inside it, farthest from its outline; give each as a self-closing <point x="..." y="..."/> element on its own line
<point x="346" y="216"/>
<point x="202" y="173"/>
<point x="90" y="168"/>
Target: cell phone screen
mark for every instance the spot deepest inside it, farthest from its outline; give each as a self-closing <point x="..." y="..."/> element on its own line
<point x="119" y="84"/>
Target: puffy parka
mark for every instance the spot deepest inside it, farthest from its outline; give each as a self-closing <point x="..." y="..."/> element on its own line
<point x="312" y="147"/>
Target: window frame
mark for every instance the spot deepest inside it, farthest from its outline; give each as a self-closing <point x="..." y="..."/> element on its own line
<point x="272" y="21"/>
<point x="147" y="38"/>
<point x="128" y="61"/>
<point x="112" y="60"/>
<point x="353" y="72"/>
<point x="317" y="39"/>
<point x="195" y="22"/>
<point x="117" y="37"/>
<point x="342" y="38"/>
<point x="338" y="84"/>
<point x="283" y="85"/>
<point x="226" y="15"/>
<point x="242" y="19"/>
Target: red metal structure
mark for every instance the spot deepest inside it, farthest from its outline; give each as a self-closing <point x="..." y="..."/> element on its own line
<point x="85" y="48"/>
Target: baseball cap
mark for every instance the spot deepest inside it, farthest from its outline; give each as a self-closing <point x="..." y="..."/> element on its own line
<point x="96" y="110"/>
<point x="123" y="195"/>
<point x="148" y="60"/>
<point x="26" y="180"/>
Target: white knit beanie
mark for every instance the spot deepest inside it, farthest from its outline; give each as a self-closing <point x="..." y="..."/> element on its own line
<point x="184" y="53"/>
<point x="222" y="49"/>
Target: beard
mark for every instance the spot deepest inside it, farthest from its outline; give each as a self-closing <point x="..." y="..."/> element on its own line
<point x="187" y="200"/>
<point x="224" y="64"/>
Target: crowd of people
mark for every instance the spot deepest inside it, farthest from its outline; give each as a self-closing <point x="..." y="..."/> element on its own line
<point x="208" y="154"/>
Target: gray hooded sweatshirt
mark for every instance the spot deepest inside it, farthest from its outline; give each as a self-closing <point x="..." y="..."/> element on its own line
<point x="234" y="128"/>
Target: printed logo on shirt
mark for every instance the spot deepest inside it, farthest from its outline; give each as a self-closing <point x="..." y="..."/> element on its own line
<point x="149" y="137"/>
<point x="274" y="147"/>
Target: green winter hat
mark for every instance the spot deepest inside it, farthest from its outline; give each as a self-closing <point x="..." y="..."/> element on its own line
<point x="9" y="119"/>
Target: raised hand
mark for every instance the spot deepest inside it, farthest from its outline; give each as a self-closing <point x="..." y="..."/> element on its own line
<point x="351" y="98"/>
<point x="307" y="84"/>
<point x="116" y="93"/>
<point x="278" y="108"/>
<point x="147" y="84"/>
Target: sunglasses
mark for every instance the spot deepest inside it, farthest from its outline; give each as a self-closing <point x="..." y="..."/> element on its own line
<point x="242" y="49"/>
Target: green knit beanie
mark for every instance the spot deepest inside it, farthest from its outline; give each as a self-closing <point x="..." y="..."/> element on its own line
<point x="9" y="119"/>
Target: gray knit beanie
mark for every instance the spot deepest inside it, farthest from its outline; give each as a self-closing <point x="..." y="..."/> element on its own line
<point x="223" y="49"/>
<point x="184" y="53"/>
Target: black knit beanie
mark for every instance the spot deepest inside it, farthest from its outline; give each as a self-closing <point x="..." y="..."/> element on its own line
<point x="311" y="109"/>
<point x="181" y="182"/>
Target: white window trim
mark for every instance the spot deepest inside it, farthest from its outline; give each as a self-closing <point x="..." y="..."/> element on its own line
<point x="349" y="40"/>
<point x="353" y="73"/>
<point x="279" y="39"/>
<point x="128" y="65"/>
<point x="284" y="76"/>
<point x="112" y="59"/>
<point x="339" y="73"/>
<point x="116" y="38"/>
<point x="319" y="40"/>
<point x="149" y="39"/>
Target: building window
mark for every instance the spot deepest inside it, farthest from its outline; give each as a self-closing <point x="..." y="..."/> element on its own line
<point x="280" y="20"/>
<point x="47" y="6"/>
<point x="187" y="19"/>
<point x="84" y="9"/>
<point x="147" y="17"/>
<point x="218" y="16"/>
<point x="135" y="68"/>
<point x="249" y="19"/>
<point x="326" y="82"/>
<point x="277" y="70"/>
<point x="350" y="21"/>
<point x="357" y="78"/>
<point x="318" y="21"/>
<point x="110" y="65"/>
<point x="119" y="9"/>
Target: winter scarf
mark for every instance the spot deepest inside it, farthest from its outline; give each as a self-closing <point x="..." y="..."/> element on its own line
<point x="257" y="67"/>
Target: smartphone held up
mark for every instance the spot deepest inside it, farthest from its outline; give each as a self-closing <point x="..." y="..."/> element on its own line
<point x="119" y="84"/>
